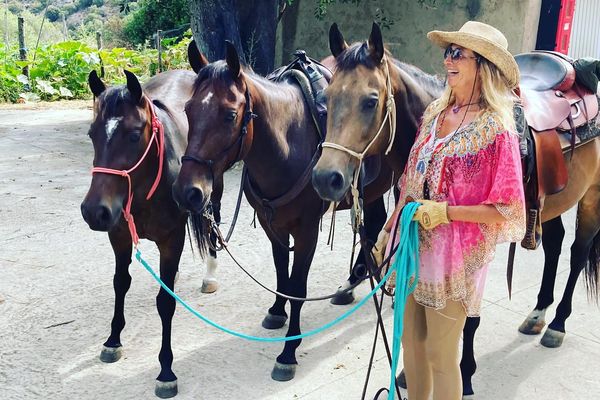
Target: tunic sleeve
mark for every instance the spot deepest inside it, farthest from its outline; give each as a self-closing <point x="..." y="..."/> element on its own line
<point x="506" y="192"/>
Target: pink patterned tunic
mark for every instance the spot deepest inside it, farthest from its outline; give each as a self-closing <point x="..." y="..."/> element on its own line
<point x="478" y="164"/>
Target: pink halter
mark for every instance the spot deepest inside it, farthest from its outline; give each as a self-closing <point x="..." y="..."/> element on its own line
<point x="158" y="136"/>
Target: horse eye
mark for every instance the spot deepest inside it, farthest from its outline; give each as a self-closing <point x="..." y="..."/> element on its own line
<point x="371" y="103"/>
<point x="134" y="137"/>
<point x="231" y="116"/>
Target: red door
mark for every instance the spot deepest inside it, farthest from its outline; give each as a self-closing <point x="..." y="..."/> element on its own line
<point x="565" y="23"/>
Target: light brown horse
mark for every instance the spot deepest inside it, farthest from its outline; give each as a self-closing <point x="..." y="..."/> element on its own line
<point x="359" y="81"/>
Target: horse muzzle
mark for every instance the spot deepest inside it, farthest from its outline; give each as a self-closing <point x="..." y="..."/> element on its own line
<point x="330" y="184"/>
<point x="100" y="216"/>
<point x="190" y="197"/>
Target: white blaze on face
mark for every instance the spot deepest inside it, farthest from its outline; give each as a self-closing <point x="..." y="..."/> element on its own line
<point x="111" y="126"/>
<point x="206" y="100"/>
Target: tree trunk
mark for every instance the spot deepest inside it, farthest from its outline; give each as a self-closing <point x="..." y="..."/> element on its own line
<point x="258" y="31"/>
<point x="250" y="24"/>
<point x="213" y="22"/>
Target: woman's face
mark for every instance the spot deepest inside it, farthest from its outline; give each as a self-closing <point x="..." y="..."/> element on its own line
<point x="461" y="67"/>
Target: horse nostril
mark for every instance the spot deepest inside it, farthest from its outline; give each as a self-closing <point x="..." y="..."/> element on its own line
<point x="193" y="195"/>
<point x="103" y="214"/>
<point x="336" y="181"/>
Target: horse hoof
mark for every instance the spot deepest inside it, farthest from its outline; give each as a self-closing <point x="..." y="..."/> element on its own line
<point x="166" y="390"/>
<point x="468" y="397"/>
<point x="274" y="321"/>
<point x="209" y="286"/>
<point x="401" y="380"/>
<point x="111" y="354"/>
<point x="283" y="372"/>
<point x="552" y="339"/>
<point x="342" y="298"/>
<point x="532" y="326"/>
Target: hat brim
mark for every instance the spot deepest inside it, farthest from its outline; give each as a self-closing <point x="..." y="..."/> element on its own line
<point x="500" y="57"/>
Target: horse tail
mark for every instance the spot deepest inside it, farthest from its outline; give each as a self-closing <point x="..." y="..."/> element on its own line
<point x="592" y="270"/>
<point x="198" y="228"/>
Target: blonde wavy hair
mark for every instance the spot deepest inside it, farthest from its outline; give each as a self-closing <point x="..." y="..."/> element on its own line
<point x="496" y="97"/>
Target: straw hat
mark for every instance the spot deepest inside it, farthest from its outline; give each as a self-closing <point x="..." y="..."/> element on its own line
<point x="485" y="40"/>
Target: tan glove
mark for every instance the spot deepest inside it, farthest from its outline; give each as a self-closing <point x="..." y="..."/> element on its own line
<point x="379" y="248"/>
<point x="431" y="214"/>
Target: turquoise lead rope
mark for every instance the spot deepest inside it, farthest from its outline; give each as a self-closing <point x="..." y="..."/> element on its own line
<point x="138" y="256"/>
<point x="406" y="265"/>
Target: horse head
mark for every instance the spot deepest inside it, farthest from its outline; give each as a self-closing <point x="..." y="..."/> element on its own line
<point x="121" y="132"/>
<point x="358" y="104"/>
<point x="220" y="132"/>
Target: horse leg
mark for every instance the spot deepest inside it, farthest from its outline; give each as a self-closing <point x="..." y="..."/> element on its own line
<point x="121" y="245"/>
<point x="586" y="240"/>
<point x="468" y="366"/>
<point x="210" y="283"/>
<point x="553" y="233"/>
<point x="170" y="254"/>
<point x="276" y="317"/>
<point x="305" y="244"/>
<point x="374" y="219"/>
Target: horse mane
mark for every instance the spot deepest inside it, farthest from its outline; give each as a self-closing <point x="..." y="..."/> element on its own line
<point x="355" y="55"/>
<point x="432" y="84"/>
<point x="358" y="54"/>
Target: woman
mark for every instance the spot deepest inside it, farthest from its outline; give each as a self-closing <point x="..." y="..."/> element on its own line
<point x="465" y="169"/>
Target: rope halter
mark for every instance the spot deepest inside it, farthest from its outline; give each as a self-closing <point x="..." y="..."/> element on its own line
<point x="158" y="136"/>
<point x="388" y="119"/>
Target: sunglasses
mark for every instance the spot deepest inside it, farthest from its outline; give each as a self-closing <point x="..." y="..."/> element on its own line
<point x="455" y="54"/>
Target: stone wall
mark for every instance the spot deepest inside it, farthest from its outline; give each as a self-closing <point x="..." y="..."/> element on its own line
<point x="410" y="21"/>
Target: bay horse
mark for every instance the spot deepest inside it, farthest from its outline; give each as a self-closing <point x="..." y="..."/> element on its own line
<point x="359" y="77"/>
<point x="127" y="137"/>
<point x="236" y="115"/>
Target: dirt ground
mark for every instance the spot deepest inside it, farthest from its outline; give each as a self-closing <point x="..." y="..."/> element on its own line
<point x="56" y="300"/>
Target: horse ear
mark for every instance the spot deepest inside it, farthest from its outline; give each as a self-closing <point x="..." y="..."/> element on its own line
<point x="96" y="84"/>
<point x="195" y="57"/>
<point x="134" y="87"/>
<point x="233" y="60"/>
<point x="337" y="44"/>
<point x="376" y="44"/>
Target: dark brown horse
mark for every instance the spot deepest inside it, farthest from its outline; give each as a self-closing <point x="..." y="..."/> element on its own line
<point x="235" y="115"/>
<point x="122" y="132"/>
<point x="359" y="79"/>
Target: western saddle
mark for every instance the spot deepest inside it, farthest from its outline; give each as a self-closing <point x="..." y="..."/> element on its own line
<point x="554" y="107"/>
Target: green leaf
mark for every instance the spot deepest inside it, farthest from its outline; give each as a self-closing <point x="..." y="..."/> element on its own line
<point x="23" y="79"/>
<point x="64" y="92"/>
<point x="45" y="86"/>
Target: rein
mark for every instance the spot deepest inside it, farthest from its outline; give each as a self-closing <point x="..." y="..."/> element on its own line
<point x="158" y="136"/>
<point x="389" y="118"/>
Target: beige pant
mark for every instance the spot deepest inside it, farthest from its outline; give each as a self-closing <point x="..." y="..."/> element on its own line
<point x="430" y="341"/>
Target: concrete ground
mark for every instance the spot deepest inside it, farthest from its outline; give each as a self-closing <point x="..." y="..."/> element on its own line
<point x="56" y="301"/>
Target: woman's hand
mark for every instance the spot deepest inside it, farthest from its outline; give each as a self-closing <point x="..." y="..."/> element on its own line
<point x="379" y="248"/>
<point x="431" y="214"/>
